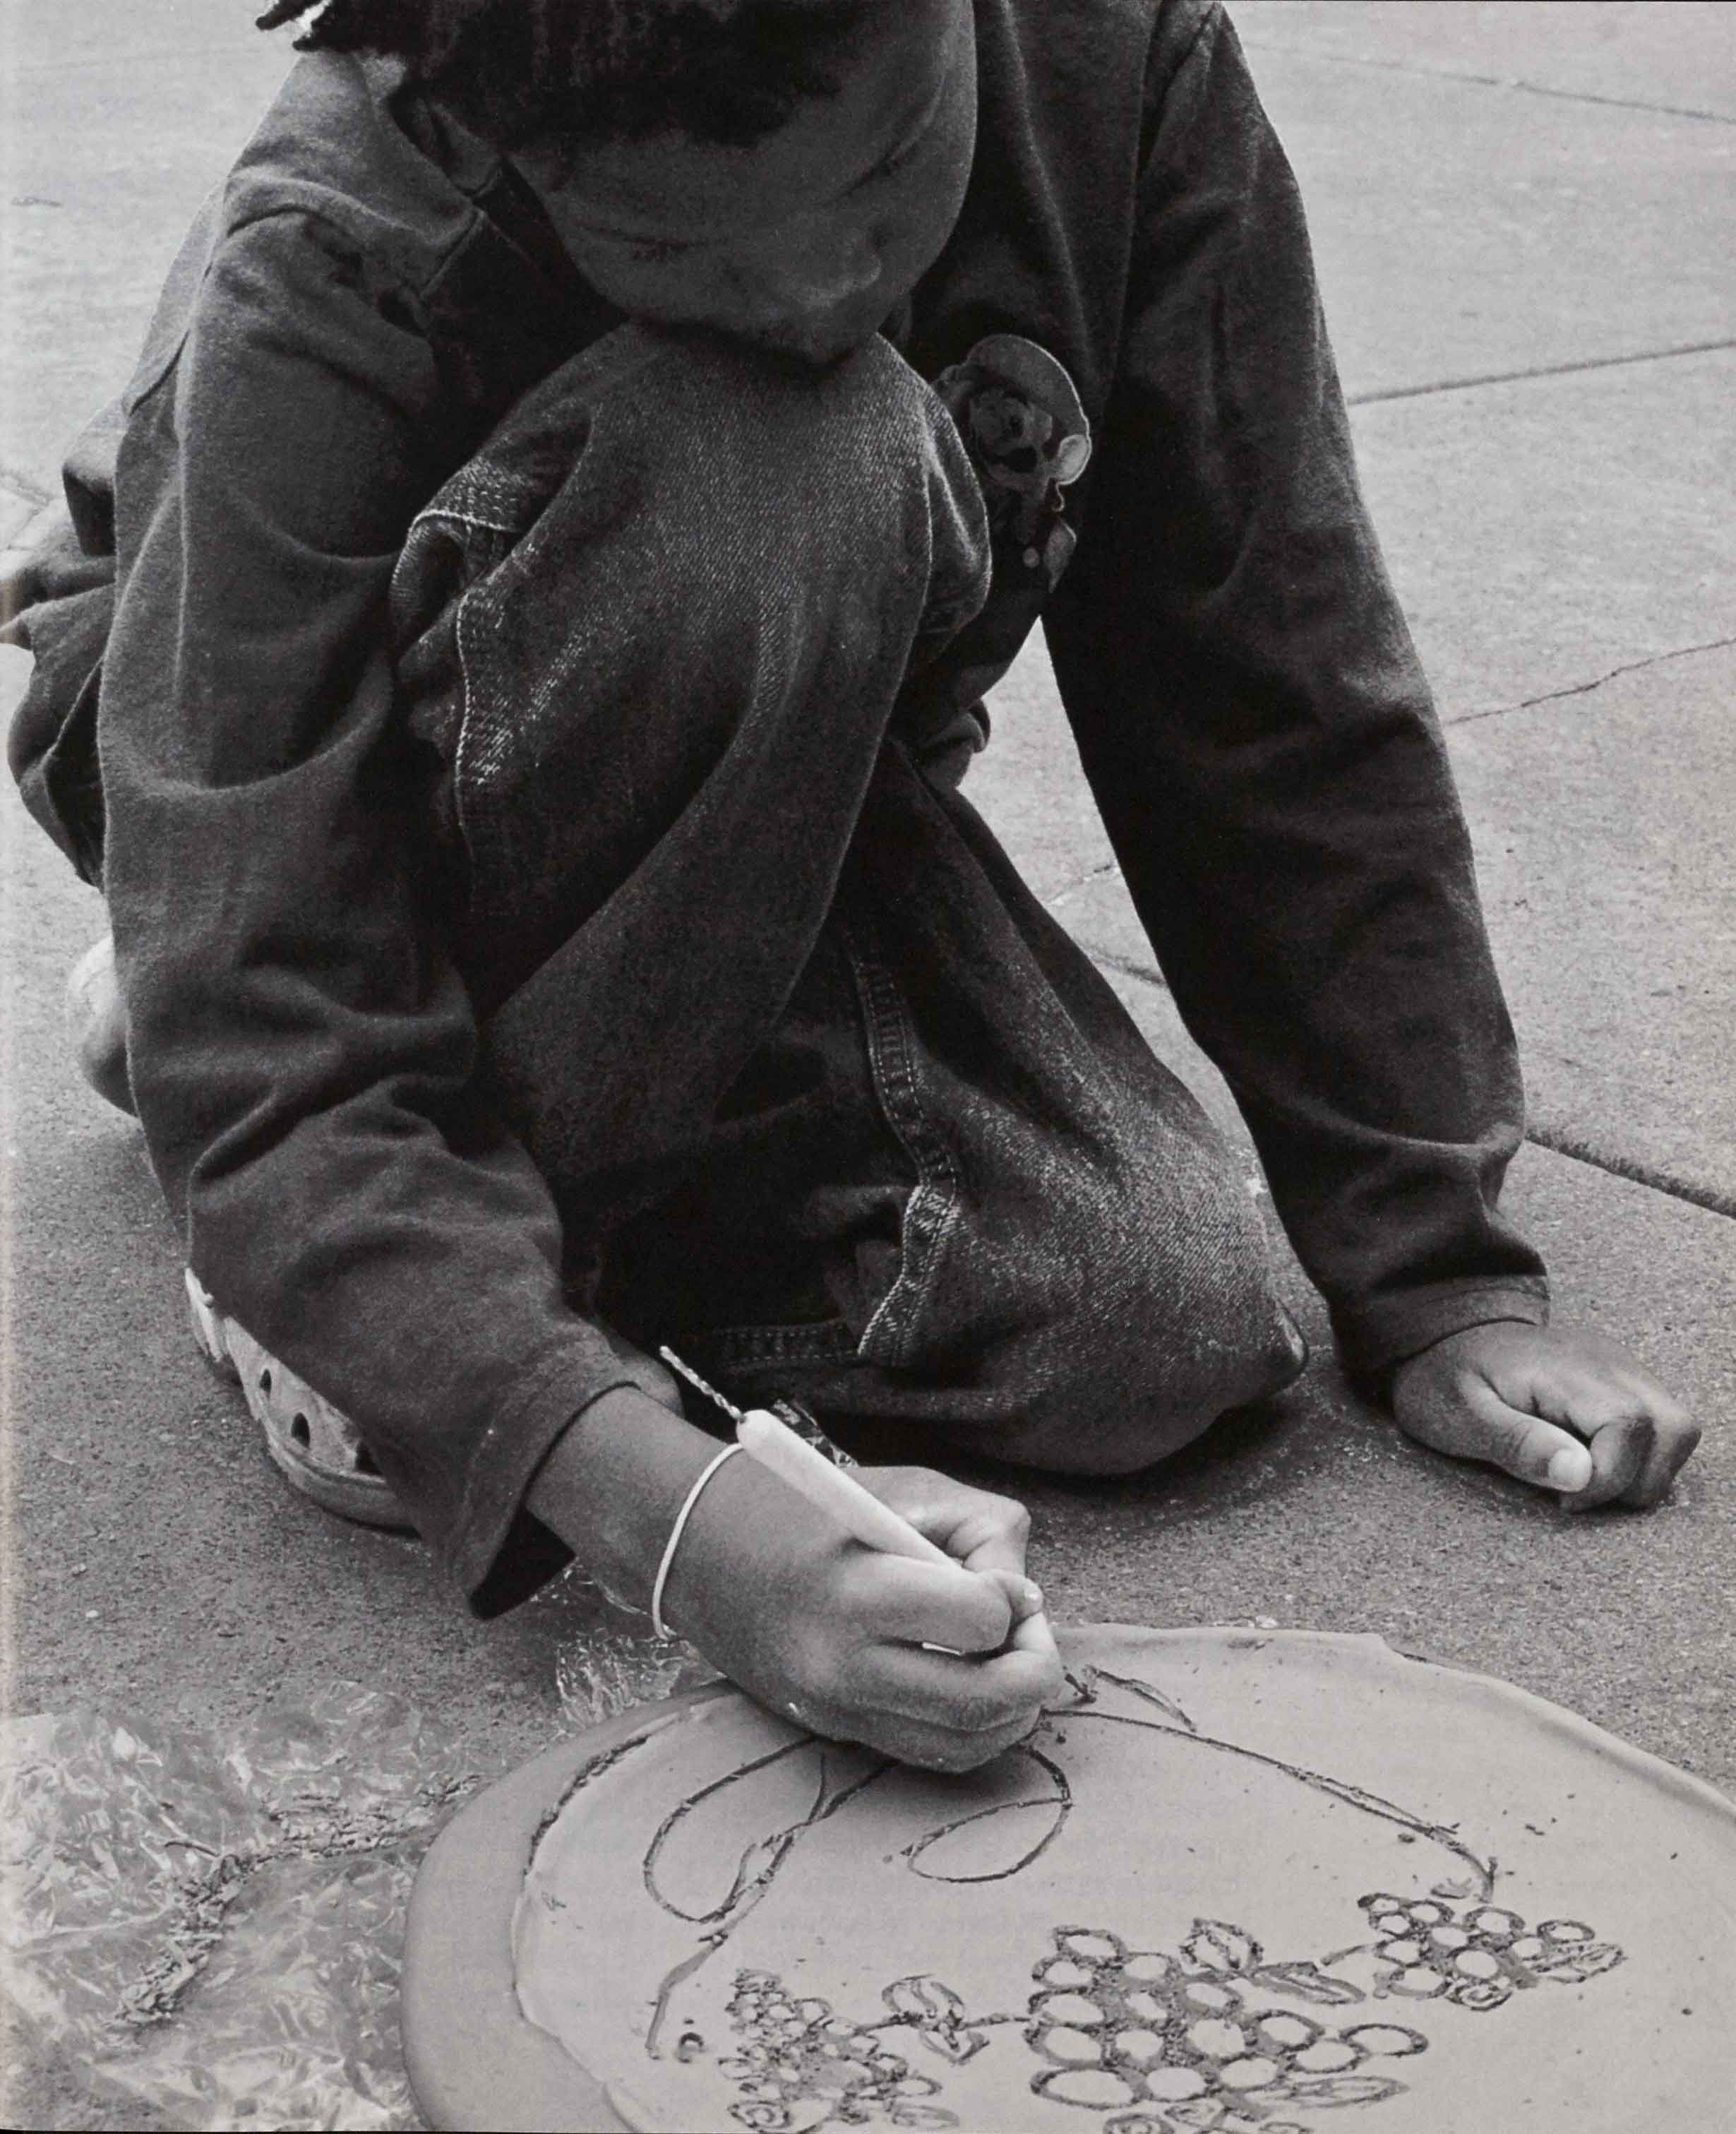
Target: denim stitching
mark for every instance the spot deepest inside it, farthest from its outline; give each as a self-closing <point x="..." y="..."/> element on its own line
<point x="933" y="1205"/>
<point x="750" y="1348"/>
<point x="449" y="515"/>
<point x="469" y="489"/>
<point x="466" y="695"/>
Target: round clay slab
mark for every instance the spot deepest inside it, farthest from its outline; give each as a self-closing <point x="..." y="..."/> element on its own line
<point x="1236" y="1884"/>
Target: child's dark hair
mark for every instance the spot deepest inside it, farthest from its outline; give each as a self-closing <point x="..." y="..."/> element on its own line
<point x="548" y="72"/>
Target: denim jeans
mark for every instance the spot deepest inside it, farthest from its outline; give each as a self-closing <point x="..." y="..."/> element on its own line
<point x="826" y="1098"/>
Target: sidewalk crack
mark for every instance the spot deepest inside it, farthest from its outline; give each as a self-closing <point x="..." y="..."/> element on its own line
<point x="1597" y="681"/>
<point x="1256" y="44"/>
<point x="1081" y="881"/>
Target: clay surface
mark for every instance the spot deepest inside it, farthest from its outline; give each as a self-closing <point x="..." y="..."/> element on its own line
<point x="1235" y="1882"/>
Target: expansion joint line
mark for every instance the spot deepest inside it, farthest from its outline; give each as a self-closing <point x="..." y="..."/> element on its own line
<point x="1597" y="681"/>
<point x="1572" y="368"/>
<point x="1559" y="1142"/>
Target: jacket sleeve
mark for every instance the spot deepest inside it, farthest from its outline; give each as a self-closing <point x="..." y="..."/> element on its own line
<point x="1259" y="736"/>
<point x="301" y="1050"/>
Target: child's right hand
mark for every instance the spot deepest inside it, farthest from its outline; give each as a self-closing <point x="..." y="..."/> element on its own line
<point x="780" y="1598"/>
<point x="836" y="1635"/>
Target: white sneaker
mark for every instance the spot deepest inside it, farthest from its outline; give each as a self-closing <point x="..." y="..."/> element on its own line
<point x="313" y="1445"/>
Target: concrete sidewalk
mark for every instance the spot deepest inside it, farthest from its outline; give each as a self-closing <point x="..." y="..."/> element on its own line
<point x="1524" y="218"/>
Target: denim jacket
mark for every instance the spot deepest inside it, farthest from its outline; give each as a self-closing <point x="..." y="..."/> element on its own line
<point x="358" y="305"/>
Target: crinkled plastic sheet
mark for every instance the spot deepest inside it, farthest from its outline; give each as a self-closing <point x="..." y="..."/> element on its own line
<point x="208" y="1923"/>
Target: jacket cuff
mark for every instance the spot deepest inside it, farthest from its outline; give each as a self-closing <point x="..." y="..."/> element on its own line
<point x="1374" y="1339"/>
<point x="500" y="1552"/>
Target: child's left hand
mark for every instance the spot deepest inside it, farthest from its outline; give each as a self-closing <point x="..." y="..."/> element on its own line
<point x="1567" y="1409"/>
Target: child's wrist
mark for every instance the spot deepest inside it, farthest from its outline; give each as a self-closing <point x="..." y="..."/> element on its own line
<point x="613" y="1483"/>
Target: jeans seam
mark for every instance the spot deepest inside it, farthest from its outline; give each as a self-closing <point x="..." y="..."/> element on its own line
<point x="932" y="1208"/>
<point x="472" y="522"/>
<point x="467" y="524"/>
<point x="466" y="697"/>
<point x="459" y="748"/>
<point x="478" y="483"/>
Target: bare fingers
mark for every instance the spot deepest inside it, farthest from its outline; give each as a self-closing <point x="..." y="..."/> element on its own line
<point x="945" y="1711"/>
<point x="1566" y="1409"/>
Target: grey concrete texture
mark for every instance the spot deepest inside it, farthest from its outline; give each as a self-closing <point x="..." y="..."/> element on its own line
<point x="114" y="123"/>
<point x="1600" y="819"/>
<point x="1677" y="57"/>
<point x="1593" y="231"/>
<point x="1544" y="532"/>
<point x="1602" y="825"/>
<point x="1563" y="542"/>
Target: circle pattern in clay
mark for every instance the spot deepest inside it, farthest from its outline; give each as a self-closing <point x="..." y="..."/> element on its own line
<point x="1232" y="1885"/>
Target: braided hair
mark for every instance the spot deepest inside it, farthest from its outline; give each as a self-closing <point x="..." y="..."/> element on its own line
<point x="520" y="72"/>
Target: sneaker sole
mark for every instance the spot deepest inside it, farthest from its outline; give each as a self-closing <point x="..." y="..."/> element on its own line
<point x="313" y="1445"/>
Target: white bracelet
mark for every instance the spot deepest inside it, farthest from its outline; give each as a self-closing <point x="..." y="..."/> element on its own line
<point x="675" y="1532"/>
